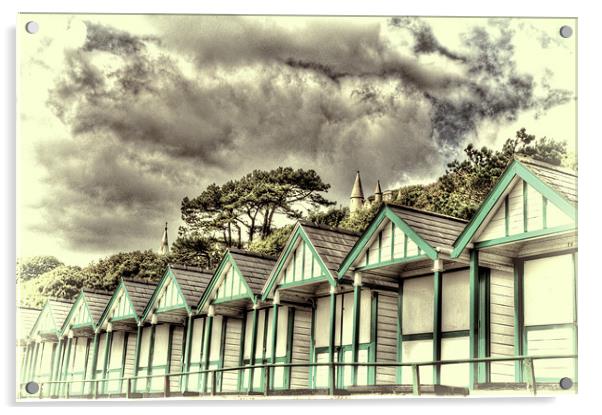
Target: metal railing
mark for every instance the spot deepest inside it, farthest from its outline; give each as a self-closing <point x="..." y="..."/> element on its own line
<point x="62" y="388"/>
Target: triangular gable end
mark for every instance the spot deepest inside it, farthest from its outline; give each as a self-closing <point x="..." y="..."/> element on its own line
<point x="227" y="284"/>
<point x="167" y="296"/>
<point x="300" y="264"/>
<point x="45" y="322"/>
<point x="388" y="240"/>
<point x="120" y="307"/>
<point x="79" y="315"/>
<point x="520" y="206"/>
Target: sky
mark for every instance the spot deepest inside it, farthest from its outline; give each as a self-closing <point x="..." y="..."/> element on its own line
<point x="120" y="117"/>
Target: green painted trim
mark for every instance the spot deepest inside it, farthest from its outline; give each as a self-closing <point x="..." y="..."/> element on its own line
<point x="186" y="357"/>
<point x="321" y="278"/>
<point x="289" y="346"/>
<point x="523" y="236"/>
<point x="506" y="216"/>
<point x="384" y="213"/>
<point x="484" y="324"/>
<point x="167" y="275"/>
<point x="241" y="354"/>
<point x="275" y="276"/>
<point x="253" y="347"/>
<point x="473" y="315"/>
<point x="437" y="309"/>
<point x="126" y="337"/>
<point x="137" y="354"/>
<point x="392" y="262"/>
<point x="151" y="352"/>
<point x="355" y="330"/>
<point x="230" y="299"/>
<point x="46" y="309"/>
<point x="67" y="363"/>
<point x="399" y="350"/>
<point x="55" y="374"/>
<point x="274" y="340"/>
<point x="78" y="300"/>
<point x="518" y="319"/>
<point x="372" y="356"/>
<point x="455" y="334"/>
<point x="222" y="353"/>
<point x="105" y="313"/>
<point x="35" y="361"/>
<point x="380" y="242"/>
<point x="393" y="240"/>
<point x="217" y="277"/>
<point x="514" y="169"/>
<point x="312" y="348"/>
<point x="331" y="336"/>
<point x="107" y="352"/>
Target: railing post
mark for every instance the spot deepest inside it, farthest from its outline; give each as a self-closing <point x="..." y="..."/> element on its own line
<point x="415" y="380"/>
<point x="40" y="391"/>
<point x="166" y="386"/>
<point x="266" y="381"/>
<point x="531" y="375"/>
<point x="333" y="377"/>
<point x="213" y="382"/>
<point x="128" y="389"/>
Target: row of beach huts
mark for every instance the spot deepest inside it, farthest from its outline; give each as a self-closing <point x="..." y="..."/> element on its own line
<point x="418" y="303"/>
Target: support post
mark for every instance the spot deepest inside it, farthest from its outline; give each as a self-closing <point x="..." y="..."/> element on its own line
<point x="137" y="352"/>
<point x="55" y="374"/>
<point x="253" y="348"/>
<point x="274" y="338"/>
<point x="105" y="364"/>
<point x="207" y="350"/>
<point x="473" y="315"/>
<point x="415" y="380"/>
<point x="67" y="357"/>
<point x="331" y="343"/>
<point x="187" y="346"/>
<point x="437" y="306"/>
<point x="357" y="291"/>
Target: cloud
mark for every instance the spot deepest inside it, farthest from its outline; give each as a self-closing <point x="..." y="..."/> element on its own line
<point x="205" y="99"/>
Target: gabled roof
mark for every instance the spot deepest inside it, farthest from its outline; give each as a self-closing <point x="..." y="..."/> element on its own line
<point x="57" y="310"/>
<point x="26" y="318"/>
<point x="557" y="184"/>
<point x="430" y="231"/>
<point x="252" y="268"/>
<point x="97" y="301"/>
<point x="255" y="268"/>
<point x="193" y="282"/>
<point x="140" y="292"/>
<point x="330" y="244"/>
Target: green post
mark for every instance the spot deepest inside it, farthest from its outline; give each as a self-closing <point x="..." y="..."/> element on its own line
<point x="399" y="331"/>
<point x="274" y="342"/>
<point x="438" y="282"/>
<point x="137" y="354"/>
<point x="36" y="350"/>
<point x="187" y="347"/>
<point x="207" y="349"/>
<point x="357" y="290"/>
<point x="473" y="315"/>
<point x="331" y="336"/>
<point x="253" y="348"/>
<point x="55" y="372"/>
<point x="518" y="319"/>
<point x="105" y="366"/>
<point x="151" y="352"/>
<point x="483" y="367"/>
<point x="67" y="357"/>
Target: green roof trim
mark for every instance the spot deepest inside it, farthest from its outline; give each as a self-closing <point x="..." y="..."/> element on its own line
<point x="385" y="212"/>
<point x="113" y="298"/>
<point x="290" y="247"/>
<point x="46" y="309"/>
<point x="213" y="284"/>
<point x="167" y="275"/>
<point x="80" y="297"/>
<point x="514" y="169"/>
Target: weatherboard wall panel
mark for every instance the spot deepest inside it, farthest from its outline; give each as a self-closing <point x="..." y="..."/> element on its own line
<point x="301" y="348"/>
<point x="386" y="337"/>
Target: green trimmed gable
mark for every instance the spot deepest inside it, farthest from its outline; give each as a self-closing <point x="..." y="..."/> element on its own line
<point x="388" y="240"/>
<point x="45" y="323"/>
<point x="299" y="264"/>
<point x="227" y="284"/>
<point x="120" y="307"/>
<point x="79" y="315"/>
<point x="520" y="206"/>
<point x="167" y="296"/>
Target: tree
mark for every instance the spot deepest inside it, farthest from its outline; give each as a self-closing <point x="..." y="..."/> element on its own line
<point x="273" y="243"/>
<point x="252" y="203"/>
<point x="28" y="268"/>
<point x="62" y="282"/>
<point x="193" y="249"/>
<point x="359" y="220"/>
<point x="332" y="217"/>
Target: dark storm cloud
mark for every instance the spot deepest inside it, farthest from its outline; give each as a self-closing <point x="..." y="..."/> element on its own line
<point x="156" y="118"/>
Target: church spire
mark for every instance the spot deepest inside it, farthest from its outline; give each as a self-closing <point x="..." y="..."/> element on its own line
<point x="357" y="195"/>
<point x="378" y="193"/>
<point x="164" y="250"/>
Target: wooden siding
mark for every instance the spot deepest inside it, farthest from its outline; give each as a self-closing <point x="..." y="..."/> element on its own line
<point x="130" y="355"/>
<point x="386" y="337"/>
<point x="115" y="364"/>
<point x="170" y="296"/>
<point x="231" y="354"/>
<point x="232" y="285"/>
<point x="501" y="324"/>
<point x="196" y="350"/>
<point x="80" y="313"/>
<point x="550" y="341"/>
<point x="176" y="356"/>
<point x="121" y="307"/>
<point x="300" y="352"/>
<point x="388" y="243"/>
<point x="417" y="315"/>
<point x="302" y="265"/>
<point x="455" y="302"/>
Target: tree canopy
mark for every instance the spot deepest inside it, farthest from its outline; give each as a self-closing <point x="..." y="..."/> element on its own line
<point x="28" y="268"/>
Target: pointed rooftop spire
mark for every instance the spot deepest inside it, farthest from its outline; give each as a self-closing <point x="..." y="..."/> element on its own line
<point x="357" y="194"/>
<point x="164" y="250"/>
<point x="378" y="193"/>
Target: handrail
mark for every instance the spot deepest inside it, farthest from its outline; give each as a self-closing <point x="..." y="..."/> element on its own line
<point x="527" y="360"/>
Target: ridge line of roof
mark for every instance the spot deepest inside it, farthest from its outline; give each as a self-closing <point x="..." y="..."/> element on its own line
<point x="550" y="166"/>
<point x="97" y="291"/>
<point x="328" y="228"/>
<point x="26" y="307"/>
<point x="426" y="212"/>
<point x="139" y="281"/>
<point x="251" y="254"/>
<point x="190" y="268"/>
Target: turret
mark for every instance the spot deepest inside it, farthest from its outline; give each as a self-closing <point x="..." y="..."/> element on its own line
<point x="356" y="201"/>
<point x="378" y="193"/>
<point x="164" y="250"/>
